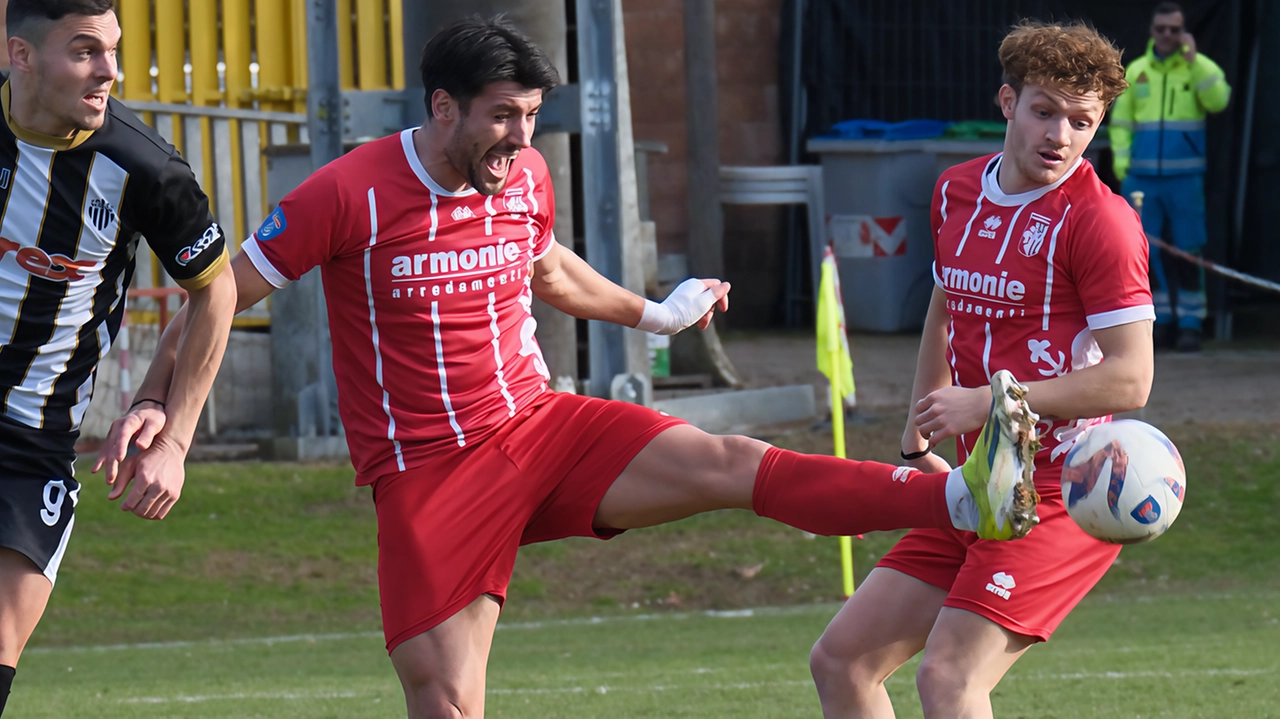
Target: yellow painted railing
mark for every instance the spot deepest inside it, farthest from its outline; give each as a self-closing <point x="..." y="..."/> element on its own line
<point x="242" y="55"/>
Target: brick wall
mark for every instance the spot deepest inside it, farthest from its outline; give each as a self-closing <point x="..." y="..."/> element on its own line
<point x="750" y="134"/>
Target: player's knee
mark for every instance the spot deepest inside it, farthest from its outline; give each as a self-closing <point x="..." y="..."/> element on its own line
<point x="730" y="469"/>
<point x="830" y="672"/>
<point x="941" y="682"/>
<point x="429" y="702"/>
<point x="835" y="670"/>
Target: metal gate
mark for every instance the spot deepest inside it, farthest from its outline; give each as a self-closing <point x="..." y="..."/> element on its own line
<point x="223" y="79"/>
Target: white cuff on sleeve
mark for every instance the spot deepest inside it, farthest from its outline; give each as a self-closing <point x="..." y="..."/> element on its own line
<point x="263" y="265"/>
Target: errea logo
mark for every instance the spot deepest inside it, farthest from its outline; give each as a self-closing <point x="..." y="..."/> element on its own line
<point x="1000" y="585"/>
<point x="902" y="473"/>
<point x="989" y="227"/>
<point x="462" y="213"/>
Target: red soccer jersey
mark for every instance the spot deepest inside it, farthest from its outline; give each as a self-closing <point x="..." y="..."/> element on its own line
<point x="428" y="294"/>
<point x="1028" y="277"/>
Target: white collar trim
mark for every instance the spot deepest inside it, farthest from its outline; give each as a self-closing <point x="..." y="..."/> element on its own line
<point x="991" y="185"/>
<point x="410" y="154"/>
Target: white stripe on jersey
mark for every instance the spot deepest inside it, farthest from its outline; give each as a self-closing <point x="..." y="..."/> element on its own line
<point x="1048" y="278"/>
<point x="955" y="374"/>
<point x="969" y="225"/>
<point x="945" y="185"/>
<point x="435" y="218"/>
<point x="986" y="353"/>
<point x="1009" y="233"/>
<point x="951" y="353"/>
<point x="497" y="357"/>
<point x="533" y="231"/>
<point x="23" y="216"/>
<point x="444" y="380"/>
<point x="373" y="323"/>
<point x="106" y="181"/>
<point x="488" y="221"/>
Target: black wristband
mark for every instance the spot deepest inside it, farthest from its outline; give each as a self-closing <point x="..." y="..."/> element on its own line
<point x="153" y="401"/>
<point x="915" y="455"/>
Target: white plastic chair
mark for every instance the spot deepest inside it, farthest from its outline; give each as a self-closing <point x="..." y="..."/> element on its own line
<point x="782" y="185"/>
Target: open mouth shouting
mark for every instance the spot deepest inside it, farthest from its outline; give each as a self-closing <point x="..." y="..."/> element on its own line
<point x="499" y="163"/>
<point x="97" y="100"/>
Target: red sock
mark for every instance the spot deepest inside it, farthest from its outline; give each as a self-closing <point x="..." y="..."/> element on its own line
<point x="832" y="496"/>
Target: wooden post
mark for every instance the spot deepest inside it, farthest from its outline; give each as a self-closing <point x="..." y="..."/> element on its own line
<point x="706" y="222"/>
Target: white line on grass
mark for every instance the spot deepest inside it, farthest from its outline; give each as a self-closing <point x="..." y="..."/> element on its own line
<point x="655" y="688"/>
<point x="827" y="608"/>
<point x="546" y="624"/>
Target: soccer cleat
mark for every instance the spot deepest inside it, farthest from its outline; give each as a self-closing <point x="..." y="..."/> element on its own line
<point x="998" y="470"/>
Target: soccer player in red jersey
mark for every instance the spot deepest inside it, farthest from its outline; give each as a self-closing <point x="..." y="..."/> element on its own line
<point x="432" y="244"/>
<point x="1040" y="271"/>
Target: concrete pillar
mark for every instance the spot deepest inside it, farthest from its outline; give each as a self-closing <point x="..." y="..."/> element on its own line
<point x="706" y="221"/>
<point x="545" y="23"/>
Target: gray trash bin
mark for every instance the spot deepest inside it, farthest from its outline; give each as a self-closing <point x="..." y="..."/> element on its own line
<point x="877" y="195"/>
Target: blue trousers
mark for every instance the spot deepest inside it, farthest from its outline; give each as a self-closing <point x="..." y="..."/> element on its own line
<point x="1173" y="210"/>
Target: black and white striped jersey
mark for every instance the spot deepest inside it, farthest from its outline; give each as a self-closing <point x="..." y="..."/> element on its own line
<point x="71" y="214"/>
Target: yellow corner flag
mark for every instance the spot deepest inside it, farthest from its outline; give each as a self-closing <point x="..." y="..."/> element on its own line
<point x="833" y="341"/>
<point x="835" y="362"/>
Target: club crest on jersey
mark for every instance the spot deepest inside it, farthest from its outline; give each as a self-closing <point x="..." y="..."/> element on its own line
<point x="101" y="213"/>
<point x="989" y="227"/>
<point x="462" y="213"/>
<point x="272" y="226"/>
<point x="209" y="237"/>
<point x="1033" y="235"/>
<point x="514" y="200"/>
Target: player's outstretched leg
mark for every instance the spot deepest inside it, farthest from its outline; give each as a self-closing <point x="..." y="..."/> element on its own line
<point x="998" y="471"/>
<point x="683" y="471"/>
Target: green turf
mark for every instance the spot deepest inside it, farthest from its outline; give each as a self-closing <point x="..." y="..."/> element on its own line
<point x="1163" y="655"/>
<point x="1186" y="624"/>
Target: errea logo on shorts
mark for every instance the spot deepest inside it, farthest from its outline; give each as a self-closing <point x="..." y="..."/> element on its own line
<point x="901" y="473"/>
<point x="1000" y="584"/>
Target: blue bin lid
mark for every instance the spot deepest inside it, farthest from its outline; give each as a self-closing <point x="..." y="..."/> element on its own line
<point x="879" y="130"/>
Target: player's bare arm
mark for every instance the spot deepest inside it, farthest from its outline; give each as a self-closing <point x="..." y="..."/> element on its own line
<point x="932" y="375"/>
<point x="156" y="473"/>
<point x="565" y="281"/>
<point x="1120" y="383"/>
<point x="176" y="384"/>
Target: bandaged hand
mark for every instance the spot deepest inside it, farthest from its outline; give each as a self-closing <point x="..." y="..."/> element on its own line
<point x="687" y="304"/>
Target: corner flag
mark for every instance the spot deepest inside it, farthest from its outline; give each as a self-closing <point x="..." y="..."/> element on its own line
<point x="834" y="362"/>
<point x="833" y="341"/>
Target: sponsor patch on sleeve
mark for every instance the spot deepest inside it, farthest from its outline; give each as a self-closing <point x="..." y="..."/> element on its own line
<point x="189" y="253"/>
<point x="272" y="226"/>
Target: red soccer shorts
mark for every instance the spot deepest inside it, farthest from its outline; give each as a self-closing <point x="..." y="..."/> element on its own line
<point x="448" y="531"/>
<point x="1028" y="585"/>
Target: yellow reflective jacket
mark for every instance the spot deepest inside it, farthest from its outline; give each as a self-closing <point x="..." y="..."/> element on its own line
<point x="1157" y="124"/>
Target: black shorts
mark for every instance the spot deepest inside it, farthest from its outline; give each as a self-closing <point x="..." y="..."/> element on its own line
<point x="36" y="517"/>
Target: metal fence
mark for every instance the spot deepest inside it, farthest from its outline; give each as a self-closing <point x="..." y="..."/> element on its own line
<point x="223" y="79"/>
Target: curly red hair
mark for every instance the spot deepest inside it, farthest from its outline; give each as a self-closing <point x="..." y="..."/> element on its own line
<point x="1073" y="57"/>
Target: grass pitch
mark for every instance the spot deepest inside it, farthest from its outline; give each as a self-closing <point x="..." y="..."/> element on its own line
<point x="173" y="619"/>
<point x="1154" y="655"/>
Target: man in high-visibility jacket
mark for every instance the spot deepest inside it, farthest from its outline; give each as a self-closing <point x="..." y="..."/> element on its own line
<point x="1158" y="137"/>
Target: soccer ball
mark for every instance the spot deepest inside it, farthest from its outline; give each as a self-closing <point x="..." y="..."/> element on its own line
<point x="1124" y="482"/>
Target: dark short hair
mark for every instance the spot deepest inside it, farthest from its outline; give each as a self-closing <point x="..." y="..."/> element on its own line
<point x="1166" y="8"/>
<point x="470" y="54"/>
<point x="29" y="19"/>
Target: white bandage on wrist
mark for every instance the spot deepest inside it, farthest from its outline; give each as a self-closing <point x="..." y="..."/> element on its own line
<point x="685" y="306"/>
